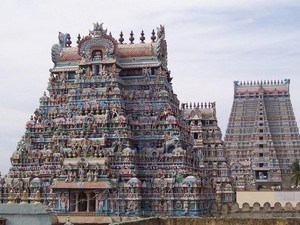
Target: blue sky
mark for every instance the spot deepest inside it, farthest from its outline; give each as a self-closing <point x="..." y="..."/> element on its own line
<point x="210" y="44"/>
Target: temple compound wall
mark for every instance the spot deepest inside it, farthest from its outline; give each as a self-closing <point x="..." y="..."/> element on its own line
<point x="213" y="221"/>
<point x="272" y="197"/>
<point x="257" y="210"/>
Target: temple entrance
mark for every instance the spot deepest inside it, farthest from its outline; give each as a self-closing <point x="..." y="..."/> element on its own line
<point x="92" y="203"/>
<point x="83" y="201"/>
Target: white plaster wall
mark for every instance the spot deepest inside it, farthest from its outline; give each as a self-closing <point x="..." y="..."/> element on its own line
<point x="267" y="196"/>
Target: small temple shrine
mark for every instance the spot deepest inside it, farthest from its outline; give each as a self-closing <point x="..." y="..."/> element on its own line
<point x="209" y="148"/>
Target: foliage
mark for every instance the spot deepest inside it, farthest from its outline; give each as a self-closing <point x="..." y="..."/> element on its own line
<point x="179" y="178"/>
<point x="295" y="173"/>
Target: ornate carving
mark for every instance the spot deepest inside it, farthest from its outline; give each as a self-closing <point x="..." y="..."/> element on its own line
<point x="98" y="40"/>
<point x="55" y="51"/>
<point x="161" y="46"/>
<point x="98" y="30"/>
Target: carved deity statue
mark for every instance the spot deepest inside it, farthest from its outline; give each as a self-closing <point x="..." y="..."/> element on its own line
<point x="89" y="176"/>
<point x="81" y="173"/>
<point x="24" y="197"/>
<point x="96" y="175"/>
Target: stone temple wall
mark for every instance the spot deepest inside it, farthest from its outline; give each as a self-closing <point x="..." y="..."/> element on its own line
<point x="272" y="197"/>
<point x="214" y="221"/>
<point x="233" y="214"/>
<point x="27" y="214"/>
<point x="222" y="214"/>
<point x="256" y="210"/>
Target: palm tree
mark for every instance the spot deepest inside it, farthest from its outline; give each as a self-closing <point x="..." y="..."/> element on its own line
<point x="295" y="173"/>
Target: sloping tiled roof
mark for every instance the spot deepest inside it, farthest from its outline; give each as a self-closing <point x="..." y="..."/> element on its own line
<point x="135" y="50"/>
<point x="123" y="51"/>
<point x="69" y="54"/>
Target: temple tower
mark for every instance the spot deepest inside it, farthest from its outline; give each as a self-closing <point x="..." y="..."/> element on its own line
<point x="109" y="137"/>
<point x="208" y="146"/>
<point x="262" y="137"/>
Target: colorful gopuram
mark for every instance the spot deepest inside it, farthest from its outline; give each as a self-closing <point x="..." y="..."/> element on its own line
<point x="209" y="148"/>
<point x="109" y="136"/>
<point x="262" y="137"/>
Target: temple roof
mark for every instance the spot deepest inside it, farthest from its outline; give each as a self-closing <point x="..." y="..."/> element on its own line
<point x="60" y="184"/>
<point x="261" y="86"/>
<point x="123" y="51"/>
<point x="131" y="55"/>
<point x="128" y="56"/>
<point x="135" y="50"/>
<point x="199" y="110"/>
<point x="69" y="54"/>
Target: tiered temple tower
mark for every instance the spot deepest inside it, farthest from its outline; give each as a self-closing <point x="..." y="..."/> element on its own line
<point x="262" y="137"/>
<point x="109" y="137"/>
<point x="209" y="147"/>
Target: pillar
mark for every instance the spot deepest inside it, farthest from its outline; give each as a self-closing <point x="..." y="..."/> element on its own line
<point x="76" y="201"/>
<point x="88" y="196"/>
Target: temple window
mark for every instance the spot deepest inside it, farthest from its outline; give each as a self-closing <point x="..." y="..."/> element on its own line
<point x="97" y="55"/>
<point x="195" y="135"/>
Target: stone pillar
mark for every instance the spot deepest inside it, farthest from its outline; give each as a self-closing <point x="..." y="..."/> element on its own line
<point x="88" y="195"/>
<point x="94" y="70"/>
<point x="97" y="202"/>
<point x="76" y="201"/>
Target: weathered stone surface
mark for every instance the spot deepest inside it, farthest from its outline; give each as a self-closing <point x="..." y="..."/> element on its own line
<point x="277" y="206"/>
<point x="224" y="209"/>
<point x="257" y="211"/>
<point x="288" y="206"/>
<point x="90" y="219"/>
<point x="267" y="207"/>
<point x="298" y="207"/>
<point x="256" y="207"/>
<point x="214" y="207"/>
<point x="245" y="207"/>
<point x="235" y="208"/>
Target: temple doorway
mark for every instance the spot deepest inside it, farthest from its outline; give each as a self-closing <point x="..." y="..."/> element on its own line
<point x="82" y="202"/>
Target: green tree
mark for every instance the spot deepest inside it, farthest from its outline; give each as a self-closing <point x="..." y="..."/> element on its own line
<point x="295" y="173"/>
<point x="179" y="178"/>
